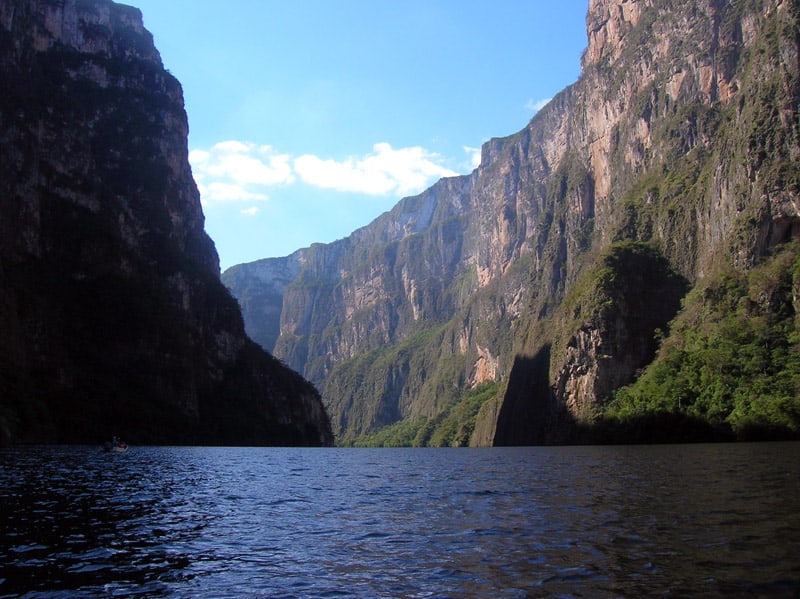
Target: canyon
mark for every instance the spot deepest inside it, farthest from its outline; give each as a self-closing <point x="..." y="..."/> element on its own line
<point x="514" y="304"/>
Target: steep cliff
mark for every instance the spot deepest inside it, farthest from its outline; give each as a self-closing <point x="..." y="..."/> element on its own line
<point x="553" y="267"/>
<point x="113" y="319"/>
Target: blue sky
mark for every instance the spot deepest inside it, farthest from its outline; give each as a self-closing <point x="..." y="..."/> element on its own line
<point x="309" y="118"/>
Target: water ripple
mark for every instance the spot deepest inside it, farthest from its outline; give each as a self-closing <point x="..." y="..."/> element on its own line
<point x="716" y="520"/>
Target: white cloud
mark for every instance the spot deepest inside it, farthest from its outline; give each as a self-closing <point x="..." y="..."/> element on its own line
<point x="537" y="105"/>
<point x="221" y="191"/>
<point x="232" y="171"/>
<point x="198" y="157"/>
<point x="241" y="171"/>
<point x="385" y="171"/>
<point x="474" y="156"/>
<point x="233" y="146"/>
<point x="247" y="170"/>
<point x="252" y="211"/>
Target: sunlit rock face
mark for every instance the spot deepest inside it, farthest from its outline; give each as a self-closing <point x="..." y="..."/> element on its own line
<point x="112" y="315"/>
<point x="681" y="134"/>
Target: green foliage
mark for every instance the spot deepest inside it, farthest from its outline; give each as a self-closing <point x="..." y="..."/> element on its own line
<point x="452" y="428"/>
<point x="733" y="358"/>
<point x="624" y="280"/>
<point x="374" y="380"/>
<point x="404" y="433"/>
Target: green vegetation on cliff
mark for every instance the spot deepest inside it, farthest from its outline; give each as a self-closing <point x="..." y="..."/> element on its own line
<point x="373" y="381"/>
<point x="451" y="428"/>
<point x="732" y="361"/>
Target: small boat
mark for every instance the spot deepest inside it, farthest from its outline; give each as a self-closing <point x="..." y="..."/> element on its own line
<point x="115" y="446"/>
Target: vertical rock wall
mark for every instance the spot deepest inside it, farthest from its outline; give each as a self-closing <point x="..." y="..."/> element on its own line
<point x="114" y="320"/>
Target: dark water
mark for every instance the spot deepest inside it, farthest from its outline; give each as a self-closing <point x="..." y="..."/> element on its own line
<point x="693" y="520"/>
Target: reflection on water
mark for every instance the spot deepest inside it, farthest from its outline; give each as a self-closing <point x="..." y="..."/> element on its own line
<point x="711" y="520"/>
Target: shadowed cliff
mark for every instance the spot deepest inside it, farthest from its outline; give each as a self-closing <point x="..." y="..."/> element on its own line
<point x="113" y="319"/>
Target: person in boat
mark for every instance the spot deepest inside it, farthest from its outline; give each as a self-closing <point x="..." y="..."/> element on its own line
<point x="115" y="444"/>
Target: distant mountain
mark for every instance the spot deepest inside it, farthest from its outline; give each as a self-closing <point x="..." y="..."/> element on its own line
<point x="113" y="319"/>
<point x="622" y="269"/>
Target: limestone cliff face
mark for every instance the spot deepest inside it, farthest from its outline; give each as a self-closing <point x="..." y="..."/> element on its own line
<point x="681" y="157"/>
<point x="114" y="320"/>
<point x="681" y="134"/>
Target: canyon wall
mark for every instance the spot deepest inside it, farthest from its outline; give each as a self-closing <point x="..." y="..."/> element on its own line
<point x="552" y="270"/>
<point x="113" y="319"/>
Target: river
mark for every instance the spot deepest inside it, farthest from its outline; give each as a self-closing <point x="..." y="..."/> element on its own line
<point x="634" y="521"/>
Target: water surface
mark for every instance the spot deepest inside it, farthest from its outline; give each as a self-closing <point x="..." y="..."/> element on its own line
<point x="684" y="520"/>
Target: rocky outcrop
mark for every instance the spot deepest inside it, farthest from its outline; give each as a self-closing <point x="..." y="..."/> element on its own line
<point x="113" y="319"/>
<point x="602" y="335"/>
<point x="681" y="134"/>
